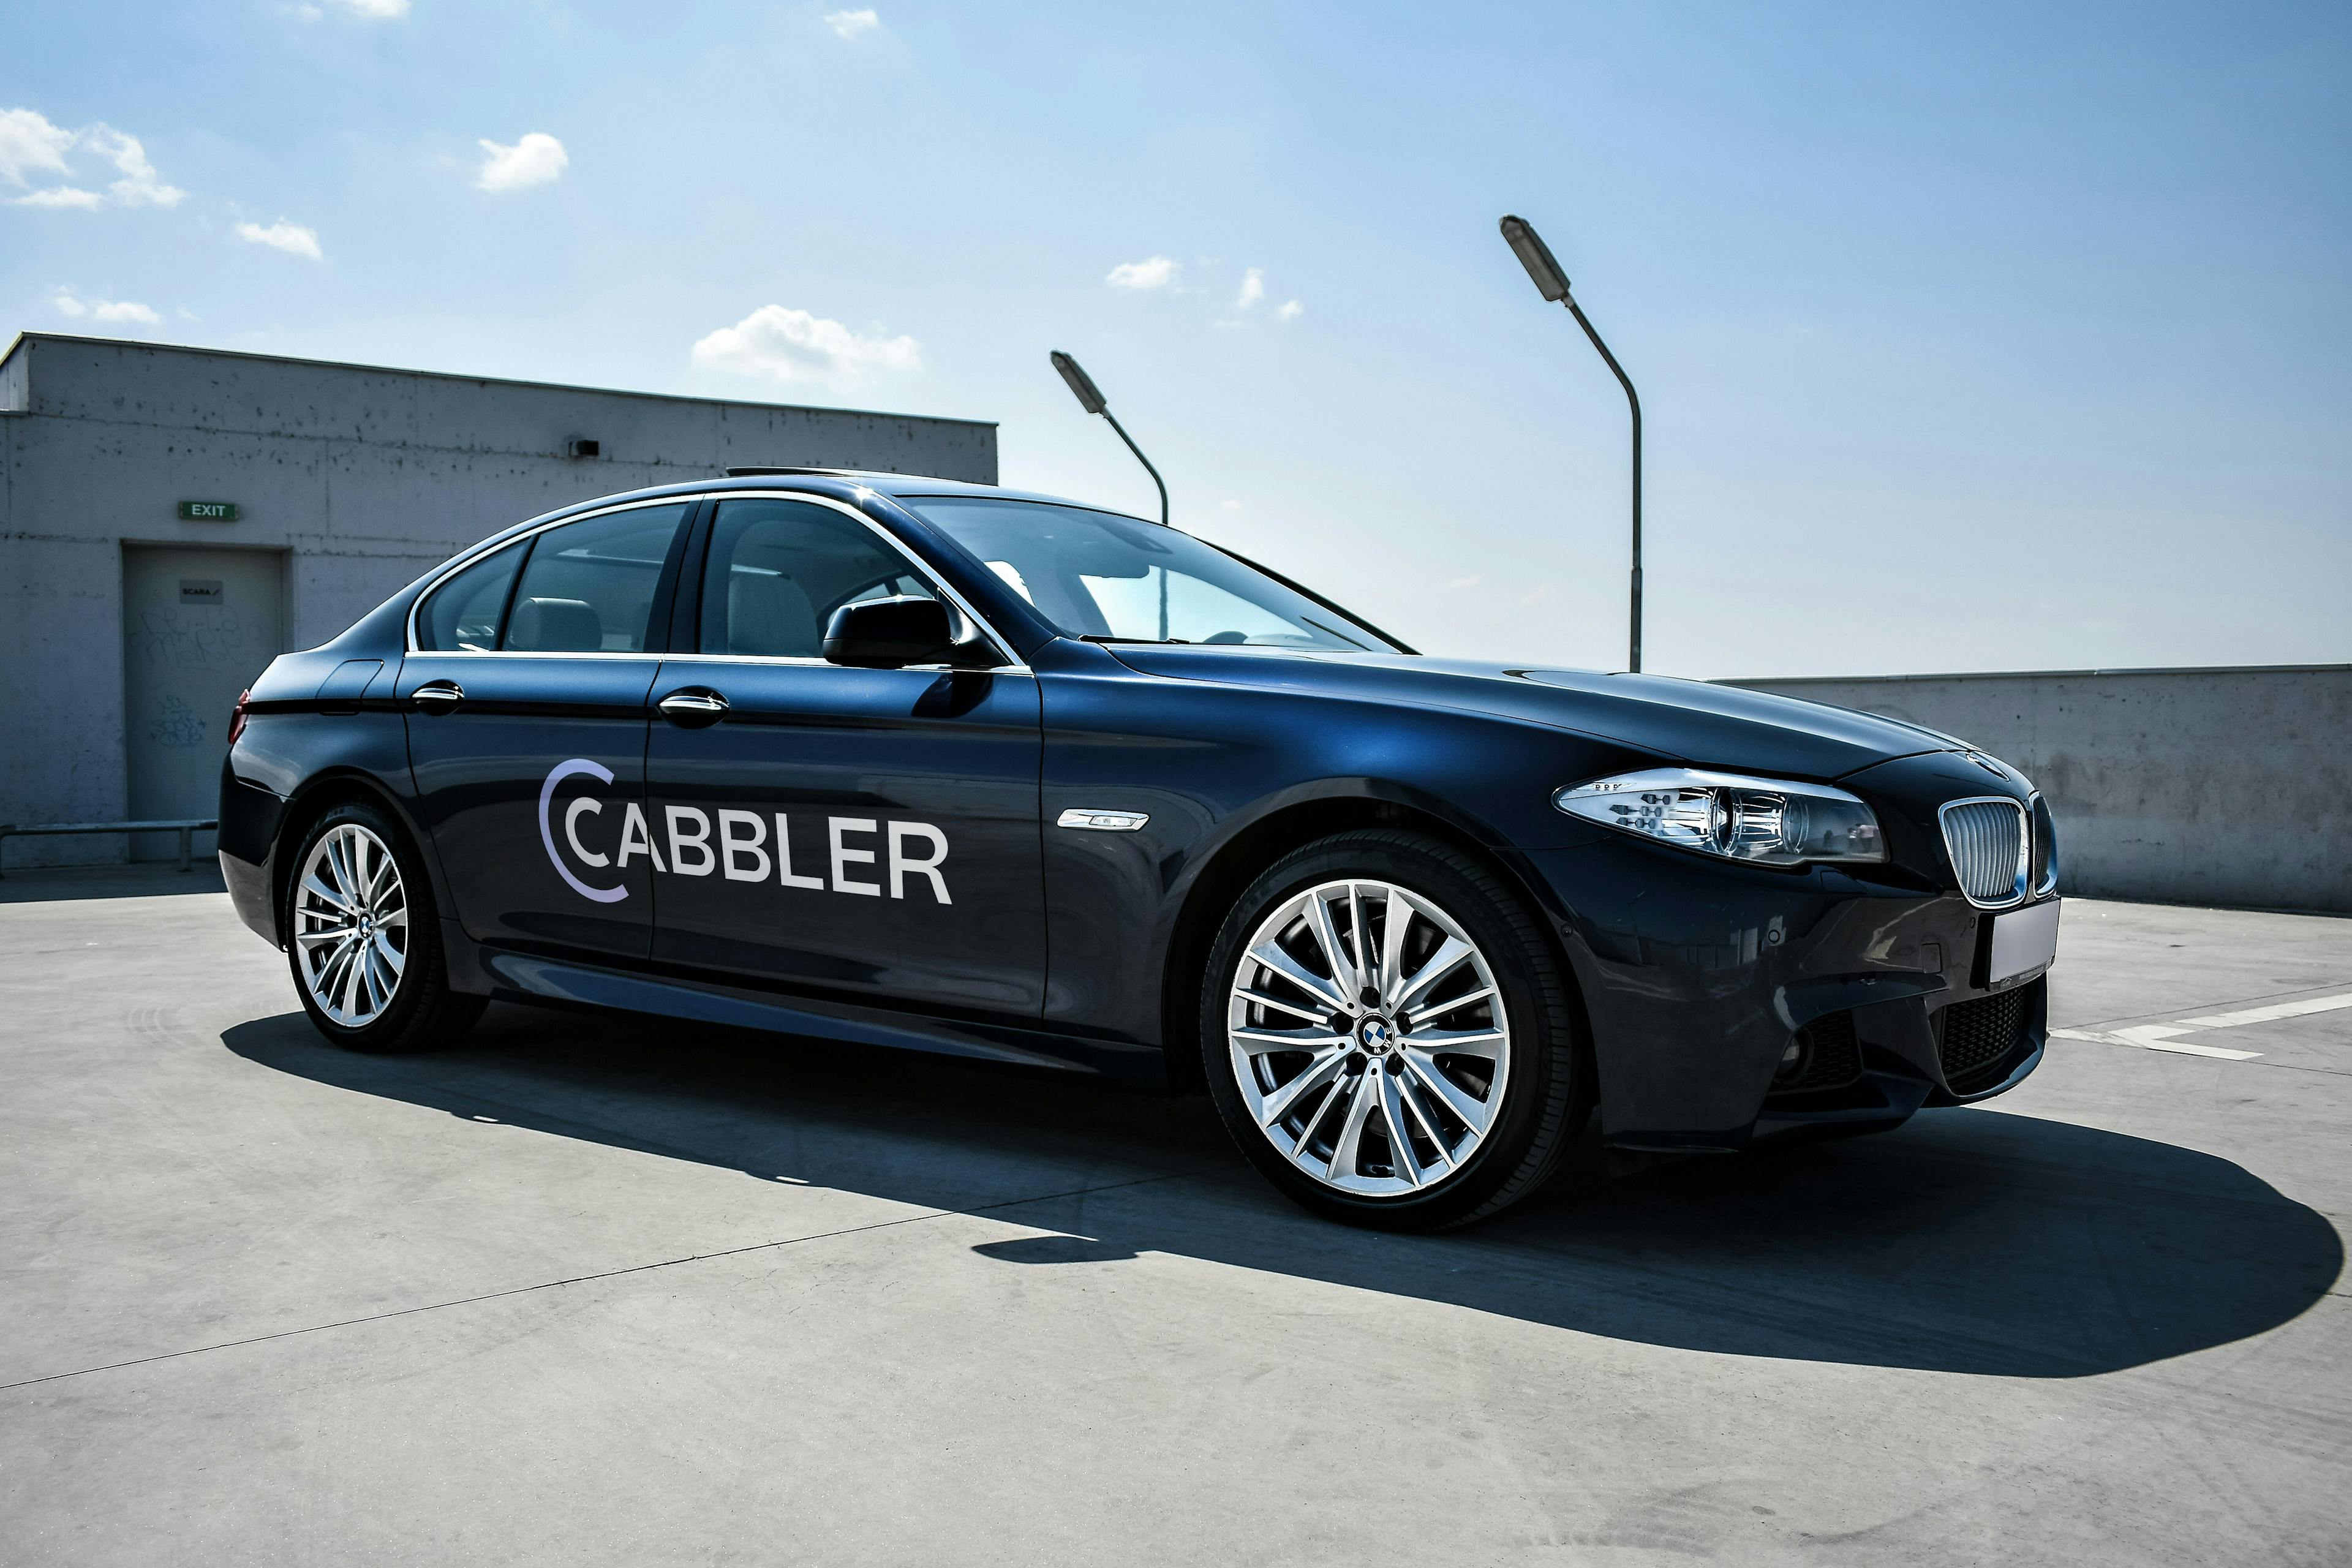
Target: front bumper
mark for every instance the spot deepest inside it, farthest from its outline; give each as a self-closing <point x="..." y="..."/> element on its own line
<point x="1697" y="976"/>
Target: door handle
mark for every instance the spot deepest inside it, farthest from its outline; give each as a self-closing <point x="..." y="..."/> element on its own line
<point x="693" y="707"/>
<point x="438" y="696"/>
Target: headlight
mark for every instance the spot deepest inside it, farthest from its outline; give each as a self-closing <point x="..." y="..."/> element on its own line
<point x="1767" y="822"/>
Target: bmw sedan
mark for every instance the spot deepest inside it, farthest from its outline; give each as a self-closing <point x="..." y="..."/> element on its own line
<point x="905" y="761"/>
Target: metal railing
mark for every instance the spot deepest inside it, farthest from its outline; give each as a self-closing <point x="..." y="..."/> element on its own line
<point x="188" y="828"/>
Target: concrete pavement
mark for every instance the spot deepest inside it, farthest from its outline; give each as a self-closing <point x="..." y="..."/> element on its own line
<point x="593" y="1290"/>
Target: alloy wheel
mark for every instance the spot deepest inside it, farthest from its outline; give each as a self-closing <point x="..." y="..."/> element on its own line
<point x="351" y="925"/>
<point x="1369" y="1038"/>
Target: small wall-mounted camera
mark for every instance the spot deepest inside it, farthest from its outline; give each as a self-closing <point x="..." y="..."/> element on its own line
<point x="582" y="447"/>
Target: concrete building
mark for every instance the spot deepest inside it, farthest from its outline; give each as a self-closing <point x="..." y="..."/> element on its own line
<point x="2221" y="787"/>
<point x="171" y="519"/>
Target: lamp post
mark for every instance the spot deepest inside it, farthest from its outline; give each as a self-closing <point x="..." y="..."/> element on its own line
<point x="1552" y="284"/>
<point x="1091" y="399"/>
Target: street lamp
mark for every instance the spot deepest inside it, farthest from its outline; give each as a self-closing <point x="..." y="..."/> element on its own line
<point x="1552" y="284"/>
<point x="1091" y="399"/>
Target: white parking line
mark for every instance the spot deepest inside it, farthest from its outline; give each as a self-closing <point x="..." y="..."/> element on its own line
<point x="2265" y="1014"/>
<point x="2166" y="1037"/>
<point x="2154" y="1038"/>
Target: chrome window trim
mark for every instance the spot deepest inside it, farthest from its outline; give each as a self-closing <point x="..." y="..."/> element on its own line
<point x="490" y="547"/>
<point x="1013" y="663"/>
<point x="2020" y="880"/>
<point x="1014" y="668"/>
<point x="524" y="653"/>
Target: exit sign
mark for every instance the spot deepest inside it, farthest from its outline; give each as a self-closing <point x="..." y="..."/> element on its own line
<point x="208" y="511"/>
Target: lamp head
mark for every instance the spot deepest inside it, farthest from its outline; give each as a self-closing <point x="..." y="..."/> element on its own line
<point x="1090" y="396"/>
<point x="1537" y="257"/>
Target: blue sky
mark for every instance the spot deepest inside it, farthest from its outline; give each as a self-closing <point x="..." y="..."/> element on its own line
<point x="1969" y="338"/>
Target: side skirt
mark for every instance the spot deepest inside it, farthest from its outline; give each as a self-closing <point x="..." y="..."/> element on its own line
<point x="526" y="977"/>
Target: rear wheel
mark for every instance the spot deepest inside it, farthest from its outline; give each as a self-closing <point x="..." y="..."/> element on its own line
<point x="1388" y="1035"/>
<point x="363" y="939"/>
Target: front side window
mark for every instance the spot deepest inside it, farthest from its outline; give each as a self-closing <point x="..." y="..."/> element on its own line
<point x="589" y="585"/>
<point x="464" y="612"/>
<point x="1097" y="575"/>
<point x="778" y="569"/>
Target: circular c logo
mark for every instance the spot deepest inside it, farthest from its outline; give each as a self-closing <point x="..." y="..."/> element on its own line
<point x="576" y="766"/>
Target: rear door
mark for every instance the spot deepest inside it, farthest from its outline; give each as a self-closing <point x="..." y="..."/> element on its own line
<point x="527" y="730"/>
<point x="869" y="832"/>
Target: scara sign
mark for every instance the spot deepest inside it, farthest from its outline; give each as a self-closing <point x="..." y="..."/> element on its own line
<point x="863" y="856"/>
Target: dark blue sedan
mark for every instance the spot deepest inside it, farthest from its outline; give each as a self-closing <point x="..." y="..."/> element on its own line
<point x="906" y="762"/>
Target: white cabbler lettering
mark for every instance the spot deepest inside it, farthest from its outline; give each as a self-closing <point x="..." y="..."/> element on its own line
<point x="587" y="805"/>
<point x="699" y="841"/>
<point x="842" y="855"/>
<point x="735" y="844"/>
<point x="741" y="855"/>
<point x="784" y="859"/>
<point x="902" y="864"/>
<point x="635" y="839"/>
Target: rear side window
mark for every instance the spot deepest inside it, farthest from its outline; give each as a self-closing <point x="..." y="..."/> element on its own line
<point x="589" y="585"/>
<point x="778" y="569"/>
<point x="463" y="614"/>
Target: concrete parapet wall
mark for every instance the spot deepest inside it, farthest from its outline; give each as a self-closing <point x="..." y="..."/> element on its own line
<point x="2219" y="786"/>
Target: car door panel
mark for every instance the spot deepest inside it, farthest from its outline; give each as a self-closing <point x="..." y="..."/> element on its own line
<point x="905" y="804"/>
<point x="526" y="715"/>
<point x="483" y="769"/>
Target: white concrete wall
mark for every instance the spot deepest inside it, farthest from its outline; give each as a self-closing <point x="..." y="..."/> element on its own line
<point x="2230" y="787"/>
<point x="365" y="477"/>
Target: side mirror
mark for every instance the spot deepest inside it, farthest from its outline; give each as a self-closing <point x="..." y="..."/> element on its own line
<point x="888" y="634"/>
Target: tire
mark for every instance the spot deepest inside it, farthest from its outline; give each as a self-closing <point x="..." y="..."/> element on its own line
<point x="1490" y="1133"/>
<point x="365" y="949"/>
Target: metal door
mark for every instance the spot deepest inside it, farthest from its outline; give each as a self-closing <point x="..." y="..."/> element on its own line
<point x="198" y="626"/>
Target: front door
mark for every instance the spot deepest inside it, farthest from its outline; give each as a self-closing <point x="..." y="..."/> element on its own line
<point x="865" y="832"/>
<point x="526" y="731"/>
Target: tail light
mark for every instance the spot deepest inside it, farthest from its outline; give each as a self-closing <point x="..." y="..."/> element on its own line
<point x="239" y="715"/>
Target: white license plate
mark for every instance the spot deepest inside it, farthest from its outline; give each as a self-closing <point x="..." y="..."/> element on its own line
<point x="2023" y="940"/>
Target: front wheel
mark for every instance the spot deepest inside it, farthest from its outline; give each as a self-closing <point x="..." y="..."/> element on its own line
<point x="363" y="939"/>
<point x="1388" y="1035"/>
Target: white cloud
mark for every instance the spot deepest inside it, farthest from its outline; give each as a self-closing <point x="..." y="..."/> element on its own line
<point x="1157" y="272"/>
<point x="1470" y="582"/>
<point x="1290" y="310"/>
<point x="851" y="25"/>
<point x="66" y="304"/>
<point x="62" y="196"/>
<point x="140" y="185"/>
<point x="288" y="237"/>
<point x="374" y="10"/>
<point x="30" y="144"/>
<point x="538" y="159"/>
<point x="1229" y="506"/>
<point x="788" y="345"/>
<point x="1252" y="289"/>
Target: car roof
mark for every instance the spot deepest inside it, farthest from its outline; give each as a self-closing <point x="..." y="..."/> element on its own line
<point x="898" y="486"/>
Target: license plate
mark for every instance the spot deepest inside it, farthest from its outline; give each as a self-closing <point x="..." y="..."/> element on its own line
<point x="2023" y="940"/>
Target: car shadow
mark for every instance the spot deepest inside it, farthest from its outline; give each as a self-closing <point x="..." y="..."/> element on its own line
<point x="1970" y="1241"/>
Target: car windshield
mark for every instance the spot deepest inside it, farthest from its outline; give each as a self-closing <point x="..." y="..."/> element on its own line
<point x="1114" y="579"/>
